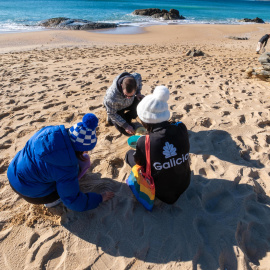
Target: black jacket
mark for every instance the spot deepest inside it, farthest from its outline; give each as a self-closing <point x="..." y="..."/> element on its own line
<point x="264" y="39"/>
<point x="169" y="155"/>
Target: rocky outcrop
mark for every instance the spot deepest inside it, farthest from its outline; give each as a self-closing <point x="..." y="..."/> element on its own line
<point x="238" y="38"/>
<point x="262" y="72"/>
<point x="256" y="20"/>
<point x="194" y="52"/>
<point x="74" y="24"/>
<point x="173" y="14"/>
<point x="53" y="22"/>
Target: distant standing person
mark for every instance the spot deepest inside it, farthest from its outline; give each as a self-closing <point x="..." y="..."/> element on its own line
<point x="121" y="101"/>
<point x="262" y="43"/>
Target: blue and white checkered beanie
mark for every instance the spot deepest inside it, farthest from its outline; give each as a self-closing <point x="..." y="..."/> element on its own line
<point x="83" y="134"/>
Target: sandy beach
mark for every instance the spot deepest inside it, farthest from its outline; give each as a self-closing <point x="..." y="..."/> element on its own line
<point x="221" y="222"/>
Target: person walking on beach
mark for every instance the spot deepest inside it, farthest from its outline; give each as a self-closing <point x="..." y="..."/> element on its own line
<point x="121" y="101"/>
<point x="169" y="147"/>
<point x="47" y="170"/>
<point x="262" y="43"/>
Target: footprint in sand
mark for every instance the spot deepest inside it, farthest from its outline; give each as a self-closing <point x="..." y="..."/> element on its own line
<point x="251" y="238"/>
<point x="8" y="130"/>
<point x="94" y="164"/>
<point x="11" y="101"/>
<point x="267" y="139"/>
<point x="114" y="165"/>
<point x="7" y="144"/>
<point x="225" y="113"/>
<point x="219" y="139"/>
<point x="24" y="132"/>
<point x="205" y="122"/>
<point x="54" y="257"/>
<point x="40" y="246"/>
<point x="28" y="100"/>
<point x="22" y="117"/>
<point x="3" y="115"/>
<point x="227" y="258"/>
<point x="109" y="138"/>
<point x="218" y="201"/>
<point x="202" y="172"/>
<point x="188" y="107"/>
<point x="176" y="117"/>
<point x="4" y="234"/>
<point x="40" y="120"/>
<point x="42" y="97"/>
<point x="91" y="108"/>
<point x="33" y="239"/>
<point x="203" y="227"/>
<point x="264" y="124"/>
<point x="54" y="104"/>
<point x="19" y="108"/>
<point x="69" y="117"/>
<point x="247" y="146"/>
<point x="48" y="106"/>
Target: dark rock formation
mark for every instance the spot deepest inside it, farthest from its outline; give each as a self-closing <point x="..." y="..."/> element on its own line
<point x="173" y="14"/>
<point x="262" y="72"/>
<point x="256" y="20"/>
<point x="193" y="52"/>
<point x="74" y="24"/>
<point x="53" y="22"/>
<point x="238" y="38"/>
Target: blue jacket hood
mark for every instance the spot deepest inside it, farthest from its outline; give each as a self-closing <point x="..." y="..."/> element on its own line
<point x="52" y="145"/>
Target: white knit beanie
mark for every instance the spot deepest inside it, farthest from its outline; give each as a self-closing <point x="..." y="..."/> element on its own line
<point x="154" y="108"/>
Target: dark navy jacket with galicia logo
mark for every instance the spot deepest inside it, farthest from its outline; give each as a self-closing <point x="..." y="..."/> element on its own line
<point x="169" y="155"/>
<point x="47" y="163"/>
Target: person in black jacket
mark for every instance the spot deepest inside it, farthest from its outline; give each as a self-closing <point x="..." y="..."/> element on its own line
<point x="169" y="147"/>
<point x="262" y="43"/>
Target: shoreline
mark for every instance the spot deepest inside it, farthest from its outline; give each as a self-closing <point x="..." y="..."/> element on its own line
<point x="126" y="26"/>
<point x="179" y="34"/>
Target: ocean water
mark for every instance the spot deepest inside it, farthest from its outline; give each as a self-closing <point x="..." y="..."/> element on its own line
<point x="24" y="15"/>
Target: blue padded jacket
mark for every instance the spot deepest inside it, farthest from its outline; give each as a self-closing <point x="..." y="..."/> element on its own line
<point x="47" y="163"/>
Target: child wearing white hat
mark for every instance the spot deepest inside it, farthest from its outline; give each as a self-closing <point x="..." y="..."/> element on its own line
<point x="169" y="147"/>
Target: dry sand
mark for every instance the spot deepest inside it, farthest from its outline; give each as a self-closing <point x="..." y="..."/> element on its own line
<point x="221" y="222"/>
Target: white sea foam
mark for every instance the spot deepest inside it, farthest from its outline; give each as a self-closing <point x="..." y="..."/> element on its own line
<point x="12" y="27"/>
<point x="127" y="20"/>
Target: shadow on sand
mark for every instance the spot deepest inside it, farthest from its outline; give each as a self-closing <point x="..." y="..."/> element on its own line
<point x="207" y="226"/>
<point x="220" y="144"/>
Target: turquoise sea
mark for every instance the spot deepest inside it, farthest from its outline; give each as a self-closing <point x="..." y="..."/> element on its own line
<point x="23" y="15"/>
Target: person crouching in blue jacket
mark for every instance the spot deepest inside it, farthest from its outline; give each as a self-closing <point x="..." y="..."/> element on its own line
<point x="48" y="168"/>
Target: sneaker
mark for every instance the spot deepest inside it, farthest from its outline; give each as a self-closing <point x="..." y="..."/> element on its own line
<point x="52" y="204"/>
<point x="109" y="121"/>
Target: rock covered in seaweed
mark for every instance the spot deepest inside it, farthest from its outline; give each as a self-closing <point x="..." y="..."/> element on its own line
<point x="74" y="24"/>
<point x="173" y="14"/>
<point x="256" y="20"/>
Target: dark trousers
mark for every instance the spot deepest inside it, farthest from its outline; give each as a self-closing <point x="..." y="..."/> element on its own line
<point x="42" y="200"/>
<point x="130" y="158"/>
<point x="128" y="114"/>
